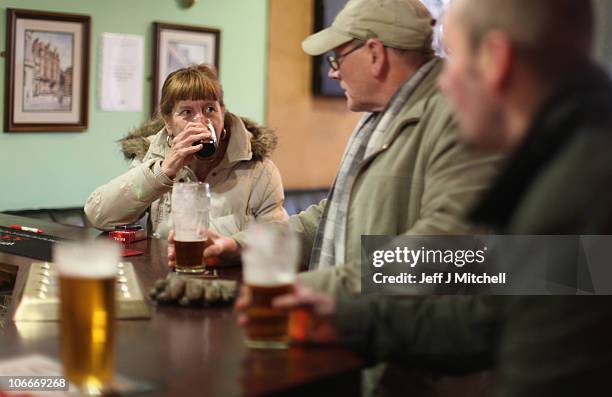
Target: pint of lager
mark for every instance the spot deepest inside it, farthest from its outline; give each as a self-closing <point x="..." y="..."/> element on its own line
<point x="269" y="270"/>
<point x="190" y="209"/>
<point x="87" y="274"/>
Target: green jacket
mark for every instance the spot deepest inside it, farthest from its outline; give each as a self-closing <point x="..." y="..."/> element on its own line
<point x="558" y="182"/>
<point x="420" y="180"/>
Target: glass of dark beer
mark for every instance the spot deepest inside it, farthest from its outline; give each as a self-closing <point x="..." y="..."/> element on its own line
<point x="269" y="270"/>
<point x="190" y="215"/>
<point x="87" y="274"/>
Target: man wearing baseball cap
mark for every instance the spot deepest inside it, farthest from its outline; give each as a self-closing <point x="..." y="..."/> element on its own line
<point x="403" y="170"/>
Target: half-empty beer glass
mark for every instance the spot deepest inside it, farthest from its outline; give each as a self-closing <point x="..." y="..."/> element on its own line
<point x="269" y="270"/>
<point x="87" y="273"/>
<point x="190" y="212"/>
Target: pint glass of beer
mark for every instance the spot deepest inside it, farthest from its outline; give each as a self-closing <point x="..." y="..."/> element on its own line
<point x="87" y="273"/>
<point x="190" y="211"/>
<point x="269" y="270"/>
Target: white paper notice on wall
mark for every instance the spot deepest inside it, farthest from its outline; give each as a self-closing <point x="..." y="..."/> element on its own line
<point x="122" y="72"/>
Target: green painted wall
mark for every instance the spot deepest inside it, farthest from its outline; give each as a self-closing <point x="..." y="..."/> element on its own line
<point x="54" y="170"/>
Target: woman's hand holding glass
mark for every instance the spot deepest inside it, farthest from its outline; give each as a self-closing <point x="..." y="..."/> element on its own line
<point x="182" y="149"/>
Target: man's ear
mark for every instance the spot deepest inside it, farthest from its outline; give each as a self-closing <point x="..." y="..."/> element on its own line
<point x="495" y="60"/>
<point x="377" y="56"/>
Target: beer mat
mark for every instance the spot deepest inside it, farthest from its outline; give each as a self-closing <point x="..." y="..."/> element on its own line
<point x="192" y="291"/>
<point x="42" y="366"/>
<point x="29" y="244"/>
<point x="209" y="273"/>
<point x="40" y="300"/>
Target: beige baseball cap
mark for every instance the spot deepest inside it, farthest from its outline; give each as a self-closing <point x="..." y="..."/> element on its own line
<point x="401" y="24"/>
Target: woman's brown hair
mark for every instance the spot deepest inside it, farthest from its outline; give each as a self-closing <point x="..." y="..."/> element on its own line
<point x="197" y="82"/>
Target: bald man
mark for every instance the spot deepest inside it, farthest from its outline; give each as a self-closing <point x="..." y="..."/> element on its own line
<point x="522" y="82"/>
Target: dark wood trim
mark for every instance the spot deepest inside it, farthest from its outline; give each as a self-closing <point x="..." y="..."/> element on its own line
<point x="316" y="61"/>
<point x="12" y="15"/>
<point x="8" y="68"/>
<point x="318" y="76"/>
<point x="158" y="27"/>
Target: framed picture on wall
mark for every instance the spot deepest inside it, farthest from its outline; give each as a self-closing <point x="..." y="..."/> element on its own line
<point x="47" y="71"/>
<point x="324" y="13"/>
<point x="177" y="46"/>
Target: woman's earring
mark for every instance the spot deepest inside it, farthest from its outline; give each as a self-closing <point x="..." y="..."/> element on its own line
<point x="223" y="134"/>
<point x="169" y="140"/>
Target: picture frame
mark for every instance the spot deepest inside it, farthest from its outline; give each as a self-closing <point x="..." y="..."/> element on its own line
<point x="324" y="13"/>
<point x="177" y="46"/>
<point x="47" y="71"/>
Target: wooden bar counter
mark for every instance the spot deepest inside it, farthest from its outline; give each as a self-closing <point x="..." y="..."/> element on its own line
<point x="185" y="351"/>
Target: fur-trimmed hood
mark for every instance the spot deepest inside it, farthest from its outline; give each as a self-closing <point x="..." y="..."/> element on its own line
<point x="136" y="143"/>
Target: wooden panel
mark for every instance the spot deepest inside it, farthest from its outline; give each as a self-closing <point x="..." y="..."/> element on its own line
<point x="312" y="130"/>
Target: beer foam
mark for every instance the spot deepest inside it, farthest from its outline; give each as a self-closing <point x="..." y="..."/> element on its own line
<point x="270" y="256"/>
<point x="188" y="237"/>
<point x="190" y="226"/>
<point x="254" y="276"/>
<point x="96" y="259"/>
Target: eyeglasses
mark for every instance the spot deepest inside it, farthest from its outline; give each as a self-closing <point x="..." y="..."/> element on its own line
<point x="334" y="60"/>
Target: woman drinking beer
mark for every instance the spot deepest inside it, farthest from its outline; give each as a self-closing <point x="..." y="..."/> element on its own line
<point x="193" y="139"/>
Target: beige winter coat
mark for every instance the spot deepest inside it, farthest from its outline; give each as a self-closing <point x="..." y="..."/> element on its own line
<point x="245" y="186"/>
